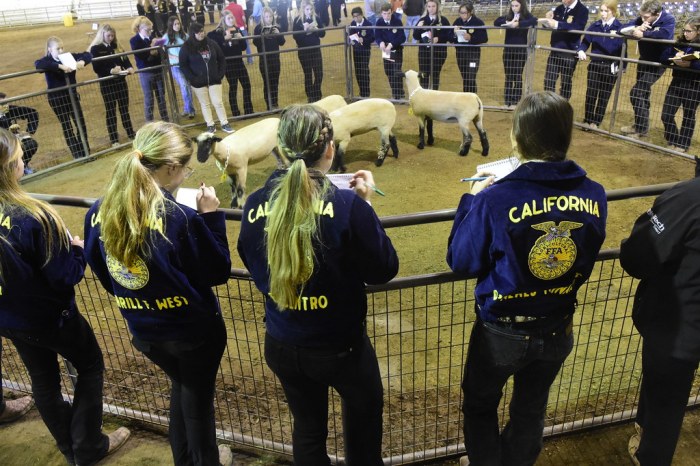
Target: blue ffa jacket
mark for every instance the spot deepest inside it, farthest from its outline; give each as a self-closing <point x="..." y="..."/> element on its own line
<point x="600" y="45"/>
<point x="517" y="36"/>
<point x="364" y="30"/>
<point x="167" y="296"/>
<point x="53" y="74"/>
<point x="682" y="73"/>
<point x="272" y="41"/>
<point x="307" y="39"/>
<point x="395" y="36"/>
<point x="531" y="239"/>
<point x="479" y="36"/>
<point x="353" y="250"/>
<point x="35" y="296"/>
<point x="231" y="48"/>
<point x="663" y="251"/>
<point x="104" y="66"/>
<point x="443" y="34"/>
<point x="574" y="20"/>
<point x="144" y="59"/>
<point x="663" y="28"/>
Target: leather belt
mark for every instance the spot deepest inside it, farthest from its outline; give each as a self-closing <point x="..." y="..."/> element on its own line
<point x="517" y="319"/>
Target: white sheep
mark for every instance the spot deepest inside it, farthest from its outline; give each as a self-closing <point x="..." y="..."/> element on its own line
<point x="331" y="103"/>
<point x="361" y="117"/>
<point x="247" y="146"/>
<point x="428" y="105"/>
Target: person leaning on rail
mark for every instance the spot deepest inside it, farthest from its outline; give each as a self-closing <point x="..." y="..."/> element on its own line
<point x="531" y="238"/>
<point x="10" y="117"/>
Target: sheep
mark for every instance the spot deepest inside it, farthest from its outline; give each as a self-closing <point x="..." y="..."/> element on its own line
<point x="235" y="152"/>
<point x="331" y="103"/>
<point x="361" y="117"/>
<point x="428" y="105"/>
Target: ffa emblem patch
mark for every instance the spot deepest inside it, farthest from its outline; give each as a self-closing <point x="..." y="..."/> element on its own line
<point x="554" y="252"/>
<point x="471" y="31"/>
<point x="131" y="278"/>
<point x="570" y="19"/>
<point x="393" y="31"/>
<point x="364" y="33"/>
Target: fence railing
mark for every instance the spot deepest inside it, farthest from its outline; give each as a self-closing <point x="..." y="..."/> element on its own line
<point x="420" y="328"/>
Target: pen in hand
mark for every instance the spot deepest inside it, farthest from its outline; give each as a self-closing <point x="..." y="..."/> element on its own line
<point x="375" y="189"/>
<point x="475" y="178"/>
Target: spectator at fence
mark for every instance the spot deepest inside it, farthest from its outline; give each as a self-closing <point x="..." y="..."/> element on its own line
<point x="269" y="42"/>
<point x="11" y="410"/>
<point x="361" y="36"/>
<point x="146" y="248"/>
<point x="41" y="263"/>
<point x="231" y="41"/>
<point x="65" y="103"/>
<point x="184" y="11"/>
<point x="308" y="33"/>
<point x="413" y="9"/>
<point x="602" y="72"/>
<point x="529" y="267"/>
<point x="517" y="22"/>
<point x="282" y="13"/>
<point x="173" y="40"/>
<point x="390" y="38"/>
<point x="10" y="117"/>
<point x="204" y="66"/>
<point x="431" y="58"/>
<point x="321" y="8"/>
<point x="115" y="91"/>
<point x="301" y="258"/>
<point x="653" y="22"/>
<point x="663" y="251"/>
<point x="148" y="61"/>
<point x="467" y="38"/>
<point x="146" y="8"/>
<point x="684" y="90"/>
<point x="336" y="6"/>
<point x="239" y="15"/>
<point x="165" y="10"/>
<point x="570" y="15"/>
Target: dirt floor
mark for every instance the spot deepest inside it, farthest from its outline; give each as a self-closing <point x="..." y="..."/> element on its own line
<point x="416" y="181"/>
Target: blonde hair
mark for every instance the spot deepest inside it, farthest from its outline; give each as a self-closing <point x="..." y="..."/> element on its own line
<point x="305" y="132"/>
<point x="267" y="9"/>
<point x="14" y="199"/>
<point x="438" y="10"/>
<point x="100" y="38"/>
<point x="140" y="21"/>
<point x="611" y="5"/>
<point x="49" y="41"/>
<point x="133" y="200"/>
<point x="222" y="22"/>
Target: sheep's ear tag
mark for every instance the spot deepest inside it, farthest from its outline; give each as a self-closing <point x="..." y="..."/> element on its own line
<point x="222" y="169"/>
<point x="410" y="111"/>
<point x="223" y="176"/>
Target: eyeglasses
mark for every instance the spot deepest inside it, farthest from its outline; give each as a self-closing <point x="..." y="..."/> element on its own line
<point x="688" y="31"/>
<point x="188" y="171"/>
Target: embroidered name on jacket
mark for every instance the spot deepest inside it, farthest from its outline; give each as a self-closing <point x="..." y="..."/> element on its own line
<point x="548" y="204"/>
<point x="655" y="222"/>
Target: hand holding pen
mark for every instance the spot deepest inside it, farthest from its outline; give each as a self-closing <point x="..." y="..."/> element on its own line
<point x="363" y="184"/>
<point x="480" y="181"/>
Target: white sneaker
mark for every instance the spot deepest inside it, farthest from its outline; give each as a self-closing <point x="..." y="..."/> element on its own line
<point x="15" y="409"/>
<point x="464" y="461"/>
<point x="225" y="456"/>
<point x="633" y="446"/>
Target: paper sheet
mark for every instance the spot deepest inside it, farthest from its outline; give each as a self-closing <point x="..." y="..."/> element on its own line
<point x="340" y="180"/>
<point x="68" y="60"/>
<point x="187" y="196"/>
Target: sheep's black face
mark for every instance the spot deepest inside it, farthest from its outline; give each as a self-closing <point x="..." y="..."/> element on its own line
<point x="204" y="147"/>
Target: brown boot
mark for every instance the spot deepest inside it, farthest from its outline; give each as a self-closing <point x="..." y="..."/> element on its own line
<point x="15" y="409"/>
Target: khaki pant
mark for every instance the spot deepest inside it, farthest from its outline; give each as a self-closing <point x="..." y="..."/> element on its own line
<point x="204" y="94"/>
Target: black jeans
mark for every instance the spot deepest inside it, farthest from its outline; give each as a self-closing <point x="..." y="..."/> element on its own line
<point x="306" y="374"/>
<point x="600" y="83"/>
<point x="116" y="93"/>
<point x="468" y="59"/>
<point x="513" y="64"/>
<point x="666" y="385"/>
<point x="270" y="70"/>
<point x="235" y="72"/>
<point x="640" y="95"/>
<point x="360" y="58"/>
<point x="61" y="105"/>
<point x="560" y="64"/>
<point x="681" y="93"/>
<point x="192" y="368"/>
<point x="392" y="68"/>
<point x="533" y="358"/>
<point x="431" y="66"/>
<point x="77" y="428"/>
<point x="312" y="66"/>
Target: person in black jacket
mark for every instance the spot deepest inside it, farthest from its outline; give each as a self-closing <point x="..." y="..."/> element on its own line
<point x="41" y="263"/>
<point x="204" y="66"/>
<point x="185" y="11"/>
<point x="150" y="78"/>
<point x="231" y="41"/>
<point x="308" y="32"/>
<point x="10" y="115"/>
<point x="314" y="287"/>
<point x="663" y="251"/>
<point x="467" y="39"/>
<point x="114" y="90"/>
<point x="62" y="102"/>
<point x="362" y="29"/>
<point x="146" y="8"/>
<point x="390" y="38"/>
<point x="431" y="58"/>
<point x="268" y="41"/>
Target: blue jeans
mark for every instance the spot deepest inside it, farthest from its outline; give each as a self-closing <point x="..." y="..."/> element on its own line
<point x="185" y="89"/>
<point x="192" y="368"/>
<point x="152" y="83"/>
<point x="244" y="33"/>
<point x="533" y="358"/>
<point x="77" y="427"/>
<point x="411" y="21"/>
<point x="306" y="374"/>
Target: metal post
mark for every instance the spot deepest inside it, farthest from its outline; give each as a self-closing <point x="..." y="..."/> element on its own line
<point x="349" y="65"/>
<point x="169" y="86"/>
<point x="530" y="64"/>
<point x="618" y="85"/>
<point x="77" y="112"/>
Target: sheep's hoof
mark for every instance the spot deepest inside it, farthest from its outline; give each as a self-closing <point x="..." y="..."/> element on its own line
<point x="421" y="145"/>
<point x="396" y="154"/>
<point x="464" y="151"/>
<point x="431" y="141"/>
<point x="484" y="153"/>
<point x="380" y="160"/>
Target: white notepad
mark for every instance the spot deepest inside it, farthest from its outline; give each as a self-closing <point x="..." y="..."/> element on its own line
<point x="68" y="60"/>
<point x="187" y="196"/>
<point x="340" y="180"/>
<point x="499" y="168"/>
